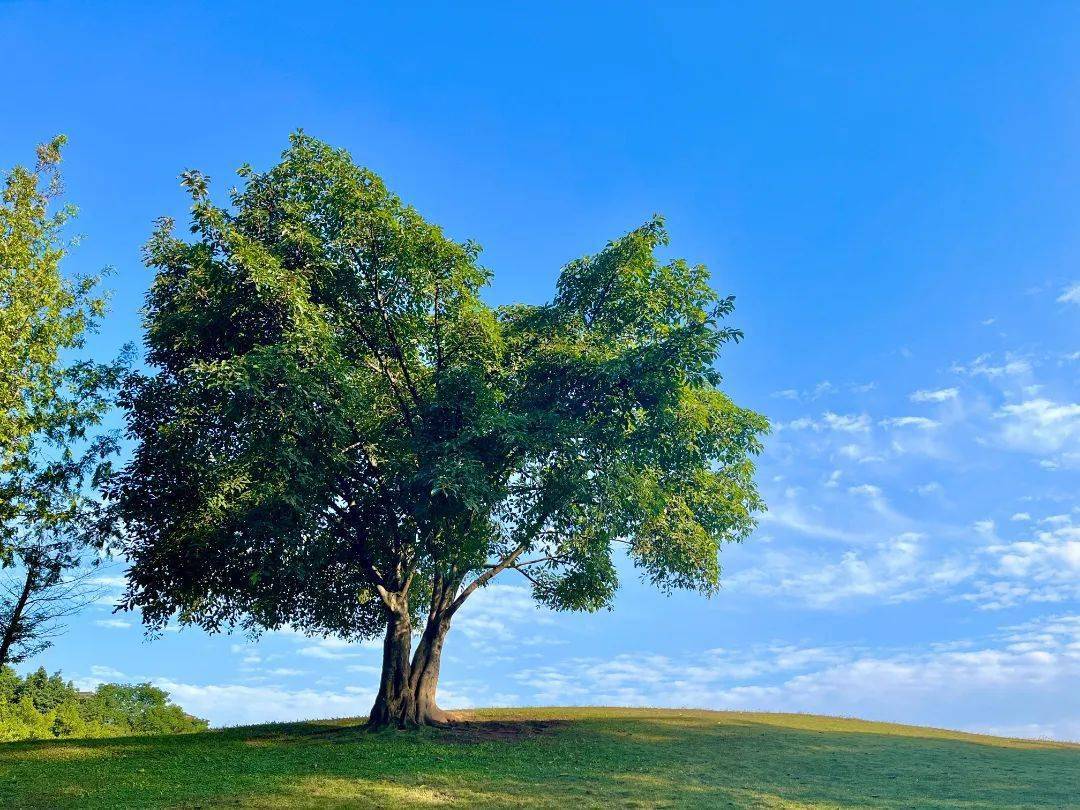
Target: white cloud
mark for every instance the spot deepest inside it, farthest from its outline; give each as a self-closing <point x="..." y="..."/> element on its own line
<point x="1044" y="567"/>
<point x="823" y="388"/>
<point x="899" y="569"/>
<point x="495" y="615"/>
<point x="875" y="497"/>
<point x="1057" y="520"/>
<point x="235" y="704"/>
<point x="107" y="672"/>
<point x="109" y="581"/>
<point x="939" y="395"/>
<point x="1041" y="425"/>
<point x="113" y="624"/>
<point x="329" y="648"/>
<point x="1070" y="295"/>
<point x="1027" y="673"/>
<point x="229" y="704"/>
<point x="843" y="423"/>
<point x="847" y="423"/>
<point x="869" y="490"/>
<point x="920" y="422"/>
<point x="330" y="653"/>
<point x="101" y="674"/>
<point x="367" y="669"/>
<point x="984" y="366"/>
<point x="788" y="514"/>
<point x="859" y="453"/>
<point x="646" y="678"/>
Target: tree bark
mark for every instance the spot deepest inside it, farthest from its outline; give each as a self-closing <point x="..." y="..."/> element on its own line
<point x="408" y="685"/>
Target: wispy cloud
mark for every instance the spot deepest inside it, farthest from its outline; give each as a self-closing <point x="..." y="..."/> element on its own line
<point x="843" y="423"/>
<point x="113" y="624"/>
<point x="936" y="395"/>
<point x="1070" y="295"/>
<point x="900" y="569"/>
<point x="920" y="422"/>
<point x="986" y="366"/>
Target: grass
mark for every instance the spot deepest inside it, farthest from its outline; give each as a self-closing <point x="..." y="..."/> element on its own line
<point x="550" y="758"/>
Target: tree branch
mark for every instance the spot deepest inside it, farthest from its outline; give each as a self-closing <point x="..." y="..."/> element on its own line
<point x="487" y="576"/>
<point x="395" y="345"/>
<point x="525" y="574"/>
<point x="528" y="562"/>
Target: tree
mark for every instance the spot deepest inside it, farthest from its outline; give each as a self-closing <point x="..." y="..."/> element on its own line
<point x="38" y="590"/>
<point x="340" y="435"/>
<point x="42" y="706"/>
<point x="140" y="709"/>
<point x="51" y="403"/>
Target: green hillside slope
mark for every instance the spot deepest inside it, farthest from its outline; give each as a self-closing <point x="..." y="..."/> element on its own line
<point x="551" y="758"/>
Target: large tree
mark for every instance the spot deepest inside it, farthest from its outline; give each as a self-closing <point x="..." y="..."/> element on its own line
<point x="52" y="402"/>
<point x="340" y="435"/>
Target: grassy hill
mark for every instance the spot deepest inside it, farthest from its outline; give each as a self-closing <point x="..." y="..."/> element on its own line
<point x="550" y="757"/>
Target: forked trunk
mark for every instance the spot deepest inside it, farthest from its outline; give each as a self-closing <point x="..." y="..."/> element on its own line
<point x="407" y="687"/>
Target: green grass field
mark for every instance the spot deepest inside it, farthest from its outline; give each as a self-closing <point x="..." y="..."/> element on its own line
<point x="550" y="758"/>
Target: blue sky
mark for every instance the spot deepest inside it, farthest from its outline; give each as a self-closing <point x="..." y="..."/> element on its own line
<point x="889" y="190"/>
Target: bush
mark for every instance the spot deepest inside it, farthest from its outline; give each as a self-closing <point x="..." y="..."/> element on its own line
<point x="41" y="706"/>
<point x="69" y="720"/>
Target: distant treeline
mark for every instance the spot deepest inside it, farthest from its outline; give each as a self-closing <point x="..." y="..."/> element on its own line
<point x="42" y="706"/>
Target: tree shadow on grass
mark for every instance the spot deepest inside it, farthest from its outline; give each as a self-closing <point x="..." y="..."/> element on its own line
<point x="643" y="760"/>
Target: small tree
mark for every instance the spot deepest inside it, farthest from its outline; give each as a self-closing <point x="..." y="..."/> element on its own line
<point x="40" y="588"/>
<point x="341" y="435"/>
<point x="50" y="404"/>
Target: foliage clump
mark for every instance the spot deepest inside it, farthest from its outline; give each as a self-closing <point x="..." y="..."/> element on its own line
<point x="40" y="706"/>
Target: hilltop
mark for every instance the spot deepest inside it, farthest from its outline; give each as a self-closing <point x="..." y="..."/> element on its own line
<point x="584" y="757"/>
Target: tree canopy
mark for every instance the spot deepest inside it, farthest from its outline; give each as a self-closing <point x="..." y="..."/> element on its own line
<point x="338" y="433"/>
<point x="52" y="401"/>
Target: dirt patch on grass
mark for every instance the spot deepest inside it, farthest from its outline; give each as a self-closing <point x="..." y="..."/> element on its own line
<point x="476" y="731"/>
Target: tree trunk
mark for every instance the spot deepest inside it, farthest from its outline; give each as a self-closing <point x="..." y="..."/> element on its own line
<point x="407" y="687"/>
<point x="11" y="630"/>
<point x="392" y="703"/>
<point x="425" y="671"/>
